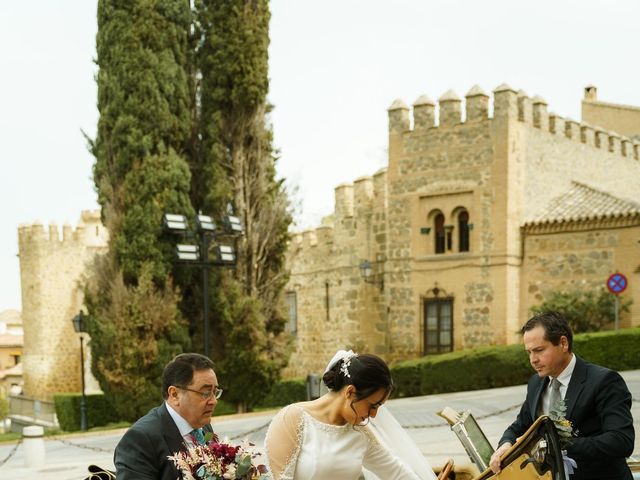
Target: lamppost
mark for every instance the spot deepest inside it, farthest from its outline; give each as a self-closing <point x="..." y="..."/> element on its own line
<point x="369" y="276"/>
<point x="198" y="255"/>
<point x="79" y="327"/>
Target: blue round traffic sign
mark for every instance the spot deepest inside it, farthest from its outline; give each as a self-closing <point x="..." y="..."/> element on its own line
<point x="617" y="283"/>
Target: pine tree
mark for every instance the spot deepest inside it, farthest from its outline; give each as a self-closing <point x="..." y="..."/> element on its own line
<point x="237" y="166"/>
<point x="140" y="173"/>
<point x="183" y="124"/>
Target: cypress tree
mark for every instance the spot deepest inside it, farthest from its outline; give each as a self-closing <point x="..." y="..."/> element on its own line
<point x="237" y="166"/>
<point x="140" y="173"/>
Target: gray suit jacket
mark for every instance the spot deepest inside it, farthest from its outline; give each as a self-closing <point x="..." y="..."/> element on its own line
<point x="142" y="452"/>
<point x="599" y="407"/>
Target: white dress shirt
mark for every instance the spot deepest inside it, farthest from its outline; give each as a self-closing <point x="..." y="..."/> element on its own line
<point x="564" y="378"/>
<point x="184" y="427"/>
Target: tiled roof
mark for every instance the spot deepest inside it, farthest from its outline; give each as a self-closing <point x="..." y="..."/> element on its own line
<point x="582" y="202"/>
<point x="7" y="340"/>
<point x="15" y="371"/>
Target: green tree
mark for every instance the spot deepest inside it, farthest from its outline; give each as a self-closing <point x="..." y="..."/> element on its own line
<point x="143" y="332"/>
<point x="237" y="159"/>
<point x="183" y="127"/>
<point x="140" y="172"/>
<point x="586" y="310"/>
<point x="4" y="407"/>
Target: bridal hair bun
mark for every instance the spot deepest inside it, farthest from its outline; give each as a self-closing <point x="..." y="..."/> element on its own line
<point x="367" y="372"/>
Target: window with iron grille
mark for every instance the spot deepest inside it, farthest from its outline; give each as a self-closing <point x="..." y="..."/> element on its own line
<point x="438" y="325"/>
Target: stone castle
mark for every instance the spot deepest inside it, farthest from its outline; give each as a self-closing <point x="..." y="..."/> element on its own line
<point x="471" y="224"/>
<point x="51" y="269"/>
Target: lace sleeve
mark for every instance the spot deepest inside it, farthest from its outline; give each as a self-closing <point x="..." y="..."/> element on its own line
<point x="380" y="461"/>
<point x="282" y="442"/>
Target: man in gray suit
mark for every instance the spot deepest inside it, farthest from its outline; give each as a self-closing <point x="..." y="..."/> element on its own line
<point x="190" y="391"/>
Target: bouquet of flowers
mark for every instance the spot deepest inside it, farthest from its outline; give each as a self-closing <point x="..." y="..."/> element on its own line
<point x="219" y="461"/>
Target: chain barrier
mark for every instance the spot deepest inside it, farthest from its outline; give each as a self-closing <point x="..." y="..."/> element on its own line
<point x="423" y="426"/>
<point x="262" y="427"/>
<point x="481" y="417"/>
<point x="254" y="430"/>
<point x="79" y="445"/>
<point x="11" y="453"/>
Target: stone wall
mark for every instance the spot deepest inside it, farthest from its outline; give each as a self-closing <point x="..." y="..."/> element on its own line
<point x="556" y="157"/>
<point x="578" y="258"/>
<point x="51" y="270"/>
<point x="502" y="170"/>
<point x="623" y="119"/>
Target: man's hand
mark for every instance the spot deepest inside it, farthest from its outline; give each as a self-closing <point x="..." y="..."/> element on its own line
<point x="494" y="463"/>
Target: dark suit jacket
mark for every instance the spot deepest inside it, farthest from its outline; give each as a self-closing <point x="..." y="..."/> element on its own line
<point x="142" y="452"/>
<point x="599" y="407"/>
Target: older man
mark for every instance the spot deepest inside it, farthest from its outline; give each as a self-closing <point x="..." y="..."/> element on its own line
<point x="597" y="399"/>
<point x="190" y="391"/>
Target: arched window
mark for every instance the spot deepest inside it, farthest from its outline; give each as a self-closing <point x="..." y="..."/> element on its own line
<point x="463" y="231"/>
<point x="439" y="232"/>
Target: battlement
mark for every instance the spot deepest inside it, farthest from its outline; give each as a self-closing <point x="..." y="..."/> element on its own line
<point x="507" y="104"/>
<point x="353" y="201"/>
<point x="88" y="232"/>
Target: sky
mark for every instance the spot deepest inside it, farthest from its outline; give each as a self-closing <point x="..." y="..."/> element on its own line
<point x="335" y="67"/>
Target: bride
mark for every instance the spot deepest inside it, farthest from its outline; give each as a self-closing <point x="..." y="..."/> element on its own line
<point x="335" y="436"/>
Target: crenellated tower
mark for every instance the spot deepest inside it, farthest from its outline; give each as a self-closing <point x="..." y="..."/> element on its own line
<point x="447" y="229"/>
<point x="52" y="264"/>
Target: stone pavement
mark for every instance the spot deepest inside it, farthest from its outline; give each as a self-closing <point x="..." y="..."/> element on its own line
<point x="67" y="457"/>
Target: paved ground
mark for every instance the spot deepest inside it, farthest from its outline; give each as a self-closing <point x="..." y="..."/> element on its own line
<point x="67" y="458"/>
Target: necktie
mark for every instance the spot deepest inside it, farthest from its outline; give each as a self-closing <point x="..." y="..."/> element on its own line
<point x="198" y="435"/>
<point x="554" y="395"/>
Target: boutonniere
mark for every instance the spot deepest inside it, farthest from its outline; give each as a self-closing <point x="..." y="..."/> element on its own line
<point x="564" y="427"/>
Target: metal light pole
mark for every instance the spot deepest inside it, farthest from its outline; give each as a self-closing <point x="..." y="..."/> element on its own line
<point x="79" y="327"/>
<point x="198" y="255"/>
<point x="204" y="246"/>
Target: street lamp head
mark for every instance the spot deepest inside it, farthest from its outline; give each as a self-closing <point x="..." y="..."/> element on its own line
<point x="189" y="253"/>
<point x="232" y="225"/>
<point x="175" y="223"/>
<point x="205" y="224"/>
<point x="78" y="322"/>
<point x="226" y="255"/>
<point x="366" y="269"/>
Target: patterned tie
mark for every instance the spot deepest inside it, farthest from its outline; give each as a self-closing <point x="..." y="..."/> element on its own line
<point x="554" y="395"/>
<point x="198" y="434"/>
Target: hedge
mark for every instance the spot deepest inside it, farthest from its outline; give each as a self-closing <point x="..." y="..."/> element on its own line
<point x="99" y="411"/>
<point x="285" y="392"/>
<point x="475" y="369"/>
<point x="507" y="365"/>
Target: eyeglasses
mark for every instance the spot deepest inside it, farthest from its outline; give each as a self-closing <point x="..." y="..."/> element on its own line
<point x="216" y="392"/>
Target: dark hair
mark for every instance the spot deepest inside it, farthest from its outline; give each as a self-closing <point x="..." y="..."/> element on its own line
<point x="367" y="372"/>
<point x="179" y="371"/>
<point x="555" y="326"/>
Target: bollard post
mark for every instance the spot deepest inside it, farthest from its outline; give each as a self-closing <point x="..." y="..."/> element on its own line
<point x="313" y="386"/>
<point x="33" y="441"/>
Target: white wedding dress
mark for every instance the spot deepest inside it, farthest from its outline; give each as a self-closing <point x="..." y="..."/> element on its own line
<point x="300" y="447"/>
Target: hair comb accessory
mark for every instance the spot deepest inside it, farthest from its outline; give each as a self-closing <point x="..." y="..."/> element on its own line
<point x="346" y="357"/>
